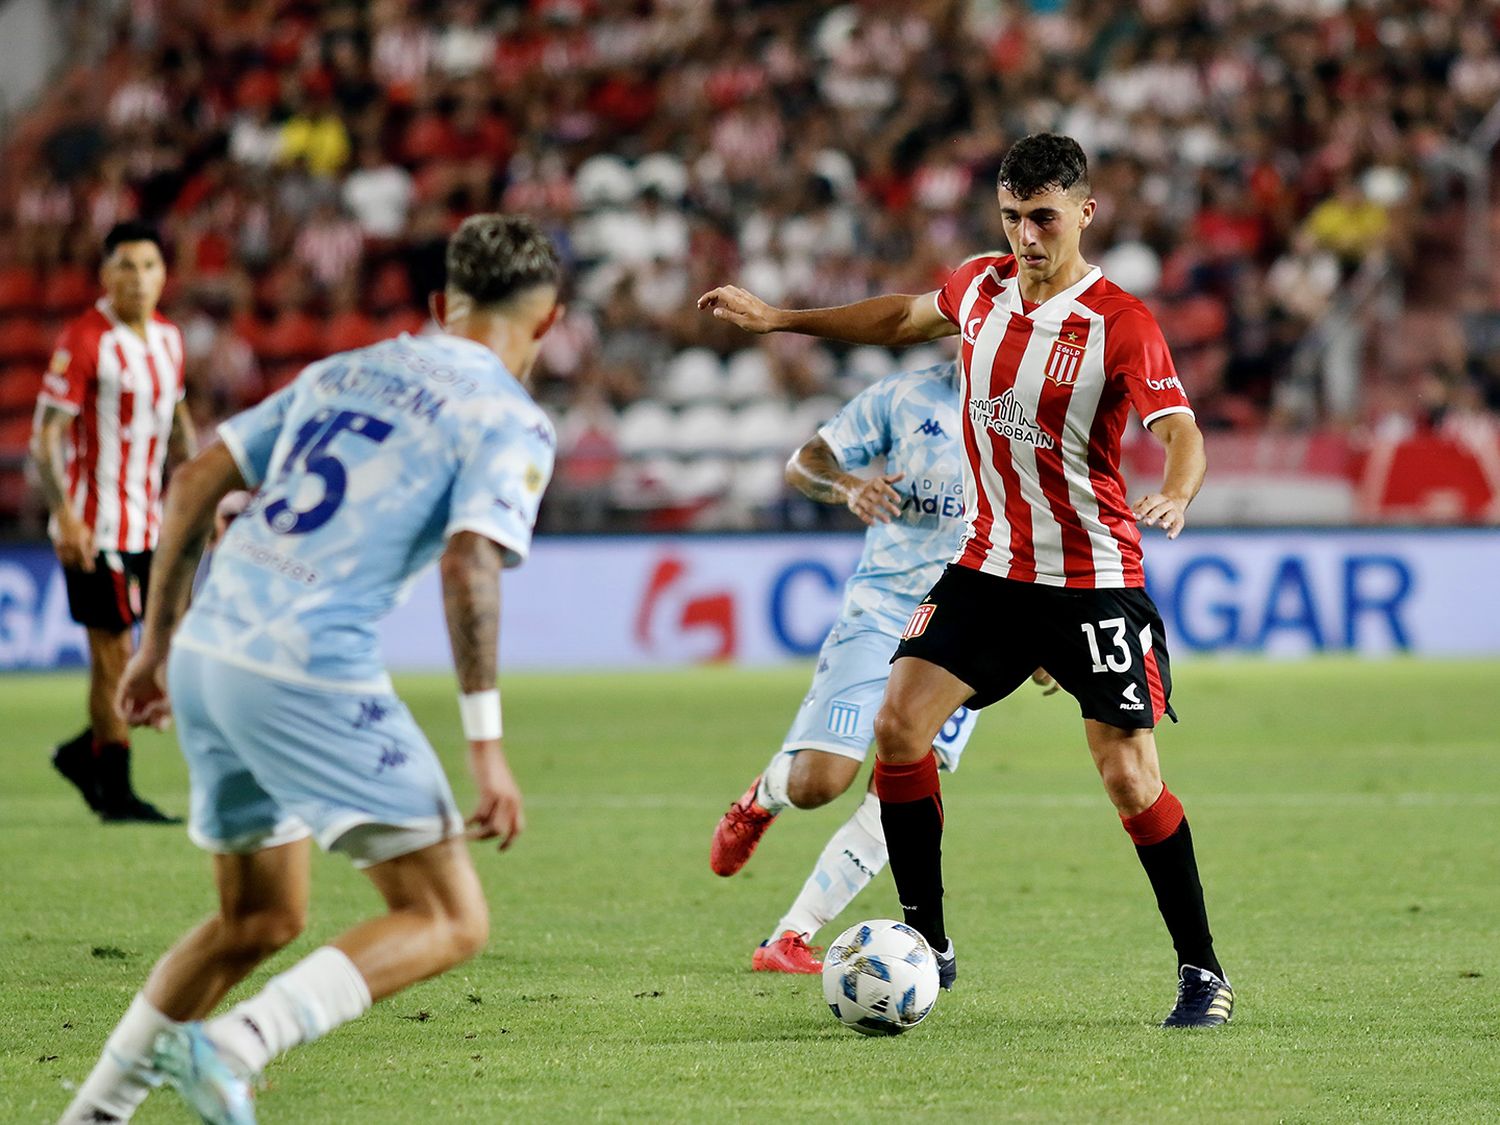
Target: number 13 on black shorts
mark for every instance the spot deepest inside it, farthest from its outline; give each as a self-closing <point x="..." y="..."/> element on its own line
<point x="1105" y="647"/>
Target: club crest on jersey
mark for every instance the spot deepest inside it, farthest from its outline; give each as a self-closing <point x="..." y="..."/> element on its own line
<point x="917" y="625"/>
<point x="1065" y="359"/>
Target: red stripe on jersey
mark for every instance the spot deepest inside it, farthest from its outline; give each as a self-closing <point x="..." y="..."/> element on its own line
<point x="126" y="417"/>
<point x="1017" y="509"/>
<point x="978" y="545"/>
<point x="1052" y="415"/>
<point x="153" y="478"/>
<point x="88" y="459"/>
<point x="1153" y="675"/>
<point x="152" y="518"/>
<point x="1109" y="488"/>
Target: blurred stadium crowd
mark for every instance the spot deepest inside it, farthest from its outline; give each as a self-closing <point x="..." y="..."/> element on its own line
<point x="1286" y="182"/>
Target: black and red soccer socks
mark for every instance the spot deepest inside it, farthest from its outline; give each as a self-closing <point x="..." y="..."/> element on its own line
<point x="911" y="813"/>
<point x="1164" y="844"/>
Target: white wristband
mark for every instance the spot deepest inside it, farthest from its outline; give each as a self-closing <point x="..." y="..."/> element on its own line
<point x="480" y="712"/>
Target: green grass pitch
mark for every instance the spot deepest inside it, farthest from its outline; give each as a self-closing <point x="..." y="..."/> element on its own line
<point x="1345" y="815"/>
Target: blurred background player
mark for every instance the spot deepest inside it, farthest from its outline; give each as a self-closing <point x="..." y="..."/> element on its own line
<point x="1050" y="570"/>
<point x="914" y="506"/>
<point x="368" y="466"/>
<point x="109" y="418"/>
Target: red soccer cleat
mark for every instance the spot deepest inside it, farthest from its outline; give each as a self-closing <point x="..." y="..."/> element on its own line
<point x="789" y="953"/>
<point x="739" y="830"/>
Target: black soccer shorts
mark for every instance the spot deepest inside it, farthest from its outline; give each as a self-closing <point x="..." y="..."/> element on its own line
<point x="1106" y="648"/>
<point x="113" y="597"/>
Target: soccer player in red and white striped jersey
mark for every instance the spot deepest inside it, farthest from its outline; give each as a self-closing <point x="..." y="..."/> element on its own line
<point x="1049" y="572"/>
<point x="109" y="418"/>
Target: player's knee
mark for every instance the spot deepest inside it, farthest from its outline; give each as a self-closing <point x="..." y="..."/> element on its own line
<point x="468" y="930"/>
<point x="257" y="935"/>
<point x="814" y="791"/>
<point x="1130" y="785"/>
<point x="897" y="738"/>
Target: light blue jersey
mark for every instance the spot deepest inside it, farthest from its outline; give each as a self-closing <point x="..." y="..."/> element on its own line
<point x="364" y="466"/>
<point x="912" y="420"/>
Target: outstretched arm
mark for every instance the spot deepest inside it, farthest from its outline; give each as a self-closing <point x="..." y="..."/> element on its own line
<point x="197" y="488"/>
<point x="814" y="471"/>
<point x="1182" y="476"/>
<point x="896" y="320"/>
<point x="470" y="570"/>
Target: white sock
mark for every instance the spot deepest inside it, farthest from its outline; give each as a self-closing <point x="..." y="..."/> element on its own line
<point x="314" y="996"/>
<point x="854" y="855"/>
<point x="117" y="1085"/>
<point x="771" y="793"/>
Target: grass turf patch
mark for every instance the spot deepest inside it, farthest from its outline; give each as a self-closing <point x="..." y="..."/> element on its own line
<point x="1344" y="815"/>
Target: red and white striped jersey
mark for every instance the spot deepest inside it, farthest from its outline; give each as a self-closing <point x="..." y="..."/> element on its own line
<point x="122" y="391"/>
<point x="1049" y="390"/>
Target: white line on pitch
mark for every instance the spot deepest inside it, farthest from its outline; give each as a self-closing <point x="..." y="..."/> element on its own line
<point x="1067" y="800"/>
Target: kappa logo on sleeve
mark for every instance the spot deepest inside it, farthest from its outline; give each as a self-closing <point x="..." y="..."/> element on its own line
<point x="918" y="623"/>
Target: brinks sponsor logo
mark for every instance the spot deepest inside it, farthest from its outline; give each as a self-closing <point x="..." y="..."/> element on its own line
<point x="1005" y="416"/>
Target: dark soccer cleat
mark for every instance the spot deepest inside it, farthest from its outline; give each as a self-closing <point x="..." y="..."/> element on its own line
<point x="133" y="810"/>
<point x="947" y="963"/>
<point x="738" y="833"/>
<point x="1203" y="999"/>
<point x="75" y="761"/>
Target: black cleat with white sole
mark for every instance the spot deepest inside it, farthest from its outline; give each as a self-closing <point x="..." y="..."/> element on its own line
<point x="1203" y="999"/>
<point x="947" y="963"/>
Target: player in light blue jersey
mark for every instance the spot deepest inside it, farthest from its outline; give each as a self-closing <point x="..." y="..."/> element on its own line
<point x="367" y="468"/>
<point x="915" y="509"/>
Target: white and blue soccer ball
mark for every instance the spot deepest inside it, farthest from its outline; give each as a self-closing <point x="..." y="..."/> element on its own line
<point x="880" y="977"/>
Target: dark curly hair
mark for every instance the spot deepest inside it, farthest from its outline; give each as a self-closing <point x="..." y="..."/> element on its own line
<point x="493" y="258"/>
<point x="1042" y="161"/>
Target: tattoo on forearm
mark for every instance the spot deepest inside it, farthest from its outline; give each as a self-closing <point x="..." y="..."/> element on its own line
<point x="818" y="475"/>
<point x="471" y="604"/>
<point x="49" y="457"/>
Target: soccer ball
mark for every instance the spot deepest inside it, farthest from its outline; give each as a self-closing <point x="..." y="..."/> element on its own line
<point x="880" y="977"/>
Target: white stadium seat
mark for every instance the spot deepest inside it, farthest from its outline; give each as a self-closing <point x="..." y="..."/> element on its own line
<point x="758" y="481"/>
<point x="701" y="478"/>
<point x="869" y="363"/>
<point x="603" y="180"/>
<point x="812" y="413"/>
<point x="765" y="428"/>
<point x="749" y="377"/>
<point x="693" y="375"/>
<point x="663" y="172"/>
<point x="705" y="428"/>
<point x="924" y="355"/>
<point x="645" y="428"/>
